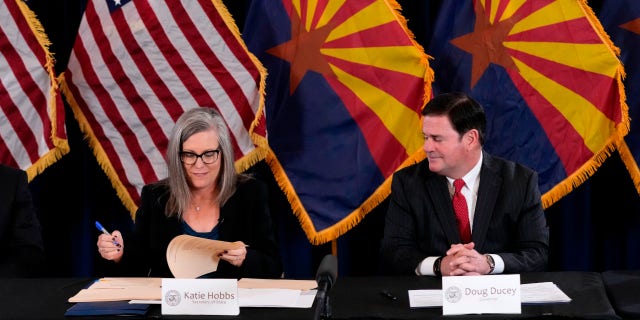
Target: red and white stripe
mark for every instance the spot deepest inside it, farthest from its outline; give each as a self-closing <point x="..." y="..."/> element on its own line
<point x="26" y="129"/>
<point x="134" y="71"/>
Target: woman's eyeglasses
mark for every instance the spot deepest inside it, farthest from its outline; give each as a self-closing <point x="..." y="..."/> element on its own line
<point x="207" y="157"/>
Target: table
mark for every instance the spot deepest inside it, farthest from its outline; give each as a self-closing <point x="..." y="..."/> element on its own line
<point x="351" y="298"/>
<point x="47" y="299"/>
<point x="623" y="287"/>
<point x="361" y="297"/>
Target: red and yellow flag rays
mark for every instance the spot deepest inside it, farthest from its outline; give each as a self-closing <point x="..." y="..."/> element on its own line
<point x="551" y="49"/>
<point x="370" y="61"/>
<point x="362" y="53"/>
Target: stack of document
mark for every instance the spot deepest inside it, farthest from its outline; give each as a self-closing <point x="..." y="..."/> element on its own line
<point x="119" y="289"/>
<point x="279" y="293"/>
<point x="110" y="296"/>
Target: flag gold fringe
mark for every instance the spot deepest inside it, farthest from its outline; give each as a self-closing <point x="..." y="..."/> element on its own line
<point x="61" y="146"/>
<point x="241" y="164"/>
<point x="257" y="154"/>
<point x="630" y="163"/>
<point x="347" y="223"/>
<point x="233" y="27"/>
<point x="103" y="160"/>
<point x="98" y="151"/>
<point x="623" y="149"/>
<point x="614" y="141"/>
<point x="332" y="233"/>
<point x="250" y="159"/>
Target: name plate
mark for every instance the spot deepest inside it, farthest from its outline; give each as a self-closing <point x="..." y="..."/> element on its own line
<point x="200" y="296"/>
<point x="481" y="294"/>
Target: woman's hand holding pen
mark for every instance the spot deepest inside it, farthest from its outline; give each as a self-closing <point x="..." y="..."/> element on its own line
<point x="111" y="246"/>
<point x="234" y="256"/>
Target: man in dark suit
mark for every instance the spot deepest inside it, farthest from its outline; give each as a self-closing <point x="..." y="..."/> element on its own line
<point x="498" y="225"/>
<point x="22" y="253"/>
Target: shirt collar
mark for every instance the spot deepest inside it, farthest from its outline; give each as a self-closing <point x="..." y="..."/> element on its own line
<point x="472" y="177"/>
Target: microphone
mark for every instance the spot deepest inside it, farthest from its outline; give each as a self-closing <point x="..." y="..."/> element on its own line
<point x="326" y="277"/>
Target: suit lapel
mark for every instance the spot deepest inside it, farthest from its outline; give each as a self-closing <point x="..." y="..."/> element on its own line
<point x="438" y="192"/>
<point x="490" y="182"/>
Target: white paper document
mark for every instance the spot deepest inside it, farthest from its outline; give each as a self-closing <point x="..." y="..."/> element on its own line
<point x="428" y="298"/>
<point x="253" y="283"/>
<point x="541" y="292"/>
<point x="276" y="298"/>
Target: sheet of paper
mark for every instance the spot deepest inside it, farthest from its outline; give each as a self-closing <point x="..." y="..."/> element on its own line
<point x="427" y="298"/>
<point x="306" y="298"/>
<point x="109" y="283"/>
<point x="253" y="283"/>
<point x="190" y="257"/>
<point x="276" y="298"/>
<point x="274" y="292"/>
<point x="117" y="289"/>
<point x="117" y="294"/>
<point x="282" y="298"/>
<point x="137" y="301"/>
<point x="541" y="292"/>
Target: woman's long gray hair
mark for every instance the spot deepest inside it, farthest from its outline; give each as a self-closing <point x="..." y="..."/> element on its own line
<point x="191" y="122"/>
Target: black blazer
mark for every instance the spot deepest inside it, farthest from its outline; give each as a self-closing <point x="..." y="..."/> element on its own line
<point x="20" y="235"/>
<point x="508" y="221"/>
<point x="245" y="217"/>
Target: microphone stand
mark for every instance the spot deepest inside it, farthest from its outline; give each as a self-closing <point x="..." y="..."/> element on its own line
<point x="323" y="308"/>
<point x="325" y="277"/>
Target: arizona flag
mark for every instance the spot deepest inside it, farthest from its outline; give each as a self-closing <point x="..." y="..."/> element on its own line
<point x="621" y="20"/>
<point x="344" y="92"/>
<point x="548" y="78"/>
<point x="32" y="131"/>
<point x="137" y="65"/>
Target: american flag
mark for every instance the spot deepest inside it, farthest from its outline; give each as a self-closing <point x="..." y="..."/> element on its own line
<point x="32" y="132"/>
<point x="136" y="66"/>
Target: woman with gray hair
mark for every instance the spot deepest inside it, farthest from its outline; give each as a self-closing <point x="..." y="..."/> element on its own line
<point x="205" y="197"/>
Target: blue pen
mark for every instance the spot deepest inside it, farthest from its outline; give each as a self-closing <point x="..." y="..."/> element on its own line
<point x="103" y="230"/>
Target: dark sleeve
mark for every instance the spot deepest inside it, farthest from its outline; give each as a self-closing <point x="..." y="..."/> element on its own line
<point x="23" y="253"/>
<point x="145" y="248"/>
<point x="399" y="248"/>
<point x="532" y="236"/>
<point x="247" y="218"/>
<point x="136" y="257"/>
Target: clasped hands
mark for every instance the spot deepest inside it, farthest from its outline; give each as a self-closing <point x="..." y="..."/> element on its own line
<point x="464" y="260"/>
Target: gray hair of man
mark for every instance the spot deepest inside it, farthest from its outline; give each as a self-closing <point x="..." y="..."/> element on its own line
<point x="191" y="122"/>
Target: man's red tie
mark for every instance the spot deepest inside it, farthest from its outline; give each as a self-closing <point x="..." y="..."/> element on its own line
<point x="462" y="213"/>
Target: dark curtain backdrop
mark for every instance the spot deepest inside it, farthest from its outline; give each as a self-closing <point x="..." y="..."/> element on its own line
<point x="594" y="228"/>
